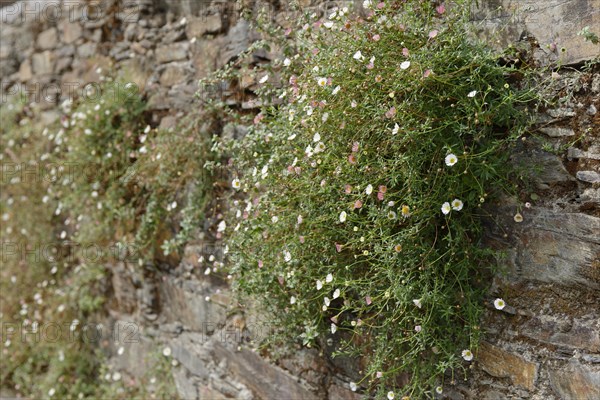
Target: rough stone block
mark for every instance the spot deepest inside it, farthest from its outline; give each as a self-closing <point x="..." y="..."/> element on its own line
<point x="502" y="364"/>
<point x="576" y="381"/>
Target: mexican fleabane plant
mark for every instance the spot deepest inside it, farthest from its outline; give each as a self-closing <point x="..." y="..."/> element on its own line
<point x="356" y="201"/>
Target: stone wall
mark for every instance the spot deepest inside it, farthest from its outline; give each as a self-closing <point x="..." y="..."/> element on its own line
<point x="544" y="345"/>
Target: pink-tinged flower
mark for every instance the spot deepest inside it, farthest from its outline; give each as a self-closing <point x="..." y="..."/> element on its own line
<point x="405" y="52"/>
<point x="260" y="264"/>
<point x="391" y="113"/>
<point x="293" y="80"/>
<point x="355" y="147"/>
<point x="368" y="300"/>
<point x="376" y="37"/>
<point x="315" y="51"/>
<point x="353" y="104"/>
<point x="348" y="189"/>
<point x="433" y="33"/>
<point x="338" y="247"/>
<point x="258" y="118"/>
<point x="370" y="65"/>
<point x="418" y="328"/>
<point x="358" y="204"/>
<point x="245" y="215"/>
<point x="440" y="9"/>
<point x="378" y="78"/>
<point x="379" y="374"/>
<point x="426" y="73"/>
<point x="318" y="24"/>
<point x="334" y="319"/>
<point x="383" y="189"/>
<point x="380" y="5"/>
<point x="280" y="280"/>
<point x="380" y="195"/>
<point x="352" y="158"/>
<point x="287" y="31"/>
<point x="301" y="239"/>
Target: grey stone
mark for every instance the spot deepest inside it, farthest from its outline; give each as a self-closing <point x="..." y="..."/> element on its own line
<point x="174" y="73"/>
<point x="592" y="110"/>
<point x="266" y="381"/>
<point x="43" y="63"/>
<point x="505" y="22"/>
<point x="71" y="32"/>
<point x="561" y="112"/>
<point x="576" y="381"/>
<point x="185" y="386"/>
<point x="588" y="176"/>
<point x="48" y="39"/>
<point x="172" y="52"/>
<point x="557" y="131"/>
<point x="86" y="50"/>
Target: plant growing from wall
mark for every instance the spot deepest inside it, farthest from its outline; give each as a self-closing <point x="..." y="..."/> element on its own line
<point x="356" y="204"/>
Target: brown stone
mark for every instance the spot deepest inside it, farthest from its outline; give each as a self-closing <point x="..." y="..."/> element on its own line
<point x="502" y="364"/>
<point x="204" y="55"/>
<point x="198" y="26"/>
<point x="172" y="52"/>
<point x="172" y="75"/>
<point x="576" y="381"/>
<point x="338" y="392"/>
<point x="25" y="72"/>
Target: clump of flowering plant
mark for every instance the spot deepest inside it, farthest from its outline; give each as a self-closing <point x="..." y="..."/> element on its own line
<point x="356" y="202"/>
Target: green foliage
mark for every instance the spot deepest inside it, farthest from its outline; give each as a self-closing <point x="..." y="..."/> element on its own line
<point x="356" y="203"/>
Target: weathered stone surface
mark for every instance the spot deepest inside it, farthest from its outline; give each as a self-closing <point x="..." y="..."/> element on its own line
<point x="185" y="386"/>
<point x="339" y="392"/>
<point x="557" y="131"/>
<point x="554" y="24"/>
<point x="588" y="176"/>
<point x="553" y="246"/>
<point x="71" y="32"/>
<point x="25" y="71"/>
<point x="198" y="26"/>
<point x="204" y="55"/>
<point x="43" y="63"/>
<point x="174" y="73"/>
<point x="576" y="381"/>
<point x="502" y="364"/>
<point x="172" y="52"/>
<point x="580" y="333"/>
<point x="265" y="380"/>
<point x="48" y="39"/>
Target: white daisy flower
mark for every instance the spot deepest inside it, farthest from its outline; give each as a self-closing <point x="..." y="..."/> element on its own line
<point x="518" y="217"/>
<point x="467" y="355"/>
<point x="274" y="219"/>
<point x="333" y="328"/>
<point x="353" y="386"/>
<point x="322" y="81"/>
<point x="405" y="65"/>
<point x="287" y="62"/>
<point x="293" y="300"/>
<point x="300" y="219"/>
<point x="417" y="303"/>
<point x="367" y="4"/>
<point x="396" y="129"/>
<point x="319" y="285"/>
<point x="446" y="208"/>
<point x="337" y="89"/>
<point x="166" y="351"/>
<point x="336" y="294"/>
<point x="264" y="79"/>
<point x="439" y="390"/>
<point x="499" y="304"/>
<point x="316" y="137"/>
<point x="236" y="184"/>
<point x="329" y="278"/>
<point x="221" y="227"/>
<point x="472" y="93"/>
<point x="328" y="24"/>
<point x="450" y="160"/>
<point x="327" y="301"/>
<point x="457" y="205"/>
<point x="287" y="256"/>
<point x="369" y="189"/>
<point x="358" y="56"/>
<point x="390" y="395"/>
<point x="319" y="147"/>
<point x="343" y="216"/>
